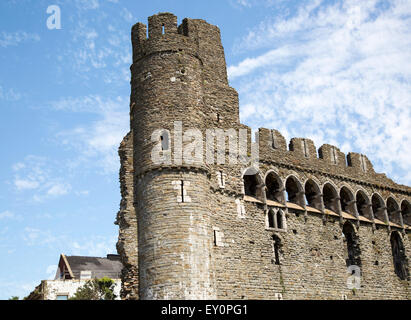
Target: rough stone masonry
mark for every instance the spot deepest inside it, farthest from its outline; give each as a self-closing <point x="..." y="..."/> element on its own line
<point x="305" y="225"/>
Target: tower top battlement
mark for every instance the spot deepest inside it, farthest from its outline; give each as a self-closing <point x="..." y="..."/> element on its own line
<point x="193" y="36"/>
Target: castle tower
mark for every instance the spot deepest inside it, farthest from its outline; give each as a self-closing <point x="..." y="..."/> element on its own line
<point x="287" y="228"/>
<point x="178" y="74"/>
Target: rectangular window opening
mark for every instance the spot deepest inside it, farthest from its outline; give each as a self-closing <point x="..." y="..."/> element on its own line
<point x="182" y="190"/>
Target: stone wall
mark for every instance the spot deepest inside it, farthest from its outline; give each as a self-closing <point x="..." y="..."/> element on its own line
<point x="189" y="231"/>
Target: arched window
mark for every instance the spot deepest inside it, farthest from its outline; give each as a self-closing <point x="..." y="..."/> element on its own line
<point x="347" y="200"/>
<point x="363" y="205"/>
<point x="294" y="191"/>
<point x="378" y="207"/>
<point x="353" y="247"/>
<point x="271" y="219"/>
<point x="406" y="212"/>
<point x="312" y="194"/>
<point x="275" y="219"/>
<point x="393" y="211"/>
<point x="399" y="258"/>
<point x="252" y="183"/>
<point x="330" y="197"/>
<point x="274" y="188"/>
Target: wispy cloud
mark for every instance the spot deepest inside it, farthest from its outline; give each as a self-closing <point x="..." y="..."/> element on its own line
<point x="98" y="141"/>
<point x="337" y="73"/>
<point x="9" y="94"/>
<point x="7" y="215"/>
<point x="90" y="245"/>
<point x="35" y="174"/>
<point x="11" y="39"/>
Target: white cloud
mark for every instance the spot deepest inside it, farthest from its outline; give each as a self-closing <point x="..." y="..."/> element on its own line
<point x="7" y="215"/>
<point x="9" y="94"/>
<point x="58" y="189"/>
<point x="37" y="174"/>
<point x="97" y="142"/>
<point x="338" y="73"/>
<point x="12" y="39"/>
<point x="22" y="184"/>
<point x="87" y="4"/>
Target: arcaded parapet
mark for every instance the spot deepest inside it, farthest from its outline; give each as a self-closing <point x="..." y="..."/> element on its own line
<point x="302" y="154"/>
<point x="127" y="221"/>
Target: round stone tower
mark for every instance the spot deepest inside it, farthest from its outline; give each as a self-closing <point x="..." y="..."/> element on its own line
<point x="172" y="73"/>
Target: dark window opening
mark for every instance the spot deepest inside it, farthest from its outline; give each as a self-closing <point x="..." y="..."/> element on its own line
<point x="406" y="212"/>
<point x="279" y="220"/>
<point x="250" y="185"/>
<point x="362" y="203"/>
<point x="271" y="219"/>
<point x="163" y="31"/>
<point x="346" y="200"/>
<point x="312" y="195"/>
<point x="393" y="211"/>
<point x="182" y="190"/>
<point x="221" y="178"/>
<point x="277" y="245"/>
<point x="399" y="258"/>
<point x="353" y="246"/>
<point x="274" y="190"/>
<point x="293" y="191"/>
<point x="378" y="207"/>
<point x="329" y="198"/>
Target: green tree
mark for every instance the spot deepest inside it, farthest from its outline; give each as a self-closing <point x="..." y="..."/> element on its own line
<point x="96" y="289"/>
<point x="14" y="298"/>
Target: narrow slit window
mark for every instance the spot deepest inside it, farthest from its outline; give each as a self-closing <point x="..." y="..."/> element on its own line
<point x="276" y="247"/>
<point x="182" y="190"/>
<point x="274" y="139"/>
<point x="305" y="148"/>
<point x="334" y="155"/>
<point x="163" y="29"/>
<point x="363" y="163"/>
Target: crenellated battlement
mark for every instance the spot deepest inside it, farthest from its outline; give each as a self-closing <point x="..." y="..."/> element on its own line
<point x="329" y="159"/>
<point x="193" y="36"/>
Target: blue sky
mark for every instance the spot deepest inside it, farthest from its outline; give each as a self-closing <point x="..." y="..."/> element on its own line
<point x="337" y="72"/>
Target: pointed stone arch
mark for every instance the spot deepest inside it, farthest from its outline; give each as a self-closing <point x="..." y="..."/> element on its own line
<point x="274" y="187"/>
<point x="393" y="211"/>
<point x="294" y="190"/>
<point x="406" y="212"/>
<point x="352" y="243"/>
<point x="399" y="257"/>
<point x="313" y="194"/>
<point x="363" y="204"/>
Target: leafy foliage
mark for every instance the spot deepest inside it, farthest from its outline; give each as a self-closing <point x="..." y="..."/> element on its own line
<point x="96" y="289"/>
